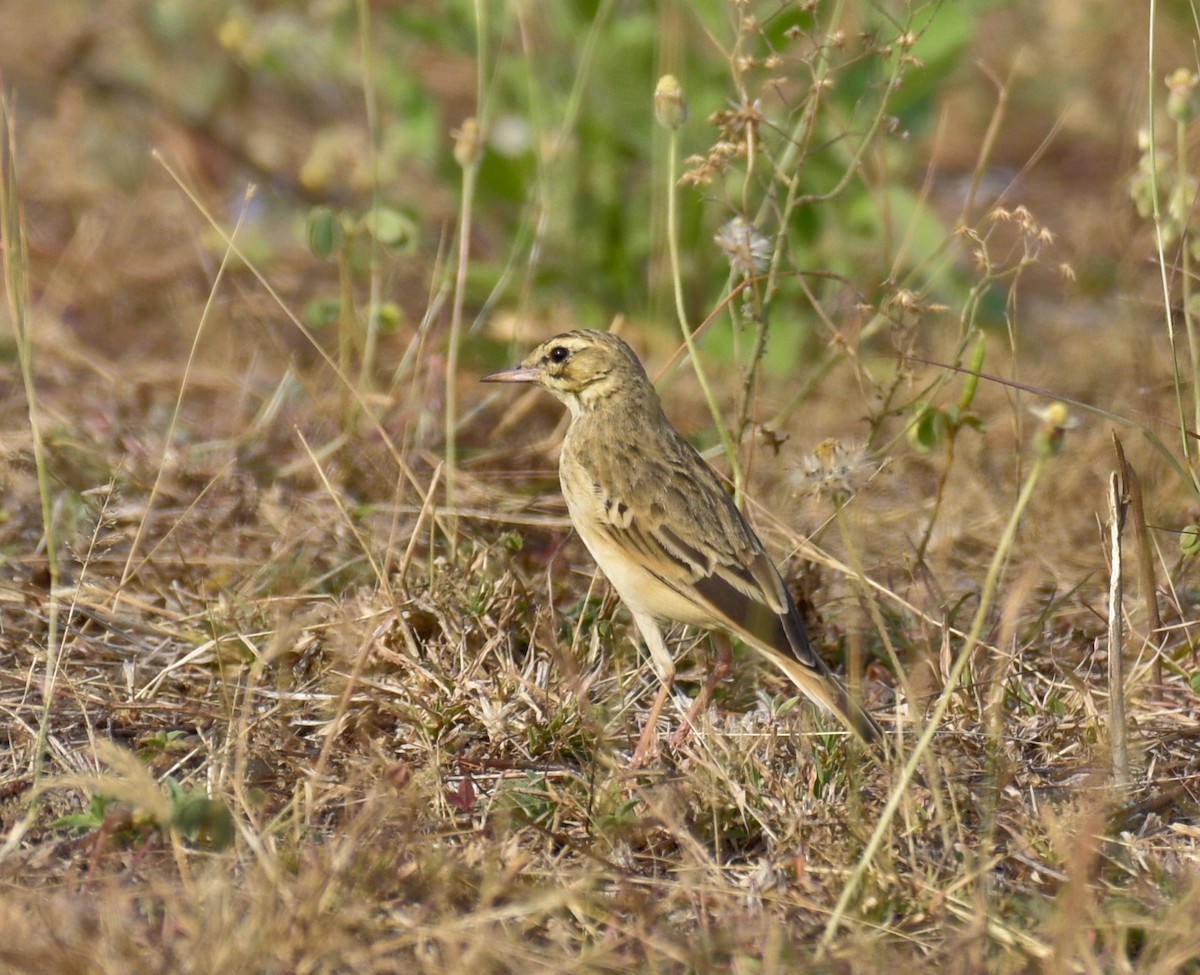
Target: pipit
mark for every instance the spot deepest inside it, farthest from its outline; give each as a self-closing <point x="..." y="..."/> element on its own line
<point x="663" y="530"/>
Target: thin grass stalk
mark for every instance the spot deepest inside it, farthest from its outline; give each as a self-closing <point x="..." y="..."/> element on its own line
<point x="1145" y="559"/>
<point x="1146" y="574"/>
<point x="1182" y="181"/>
<point x="953" y="679"/>
<point x="869" y="600"/>
<point x="952" y="432"/>
<point x="374" y="276"/>
<point x="128" y="571"/>
<point x="468" y="149"/>
<point x="16" y="289"/>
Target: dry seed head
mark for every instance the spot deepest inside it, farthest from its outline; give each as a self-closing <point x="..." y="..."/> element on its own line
<point x="670" y="107"/>
<point x="747" y="251"/>
<point x="833" y="470"/>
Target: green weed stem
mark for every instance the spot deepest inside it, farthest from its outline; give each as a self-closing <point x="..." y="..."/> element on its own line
<point x="1160" y="245"/>
<point x="1182" y="182"/>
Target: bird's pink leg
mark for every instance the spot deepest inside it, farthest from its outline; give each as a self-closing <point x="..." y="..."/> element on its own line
<point x="720" y="670"/>
<point x="647" y="746"/>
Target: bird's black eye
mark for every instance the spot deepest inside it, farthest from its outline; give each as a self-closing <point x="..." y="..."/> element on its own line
<point x="560" y="353"/>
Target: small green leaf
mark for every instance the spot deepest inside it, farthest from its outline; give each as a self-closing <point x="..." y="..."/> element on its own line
<point x="388" y="317"/>
<point x="395" y="230"/>
<point x="1189" y="540"/>
<point x="325" y="233"/>
<point x="204" y="821"/>
<point x="929" y="429"/>
<point x="88" y="819"/>
<point x="322" y="312"/>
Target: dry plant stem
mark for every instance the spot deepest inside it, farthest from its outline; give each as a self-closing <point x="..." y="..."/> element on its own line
<point x="900" y="789"/>
<point x="1118" y="738"/>
<point x="16" y="289"/>
<point x="748" y="381"/>
<point x="169" y="435"/>
<point x="989" y="141"/>
<point x="1146" y="575"/>
<point x="789" y="171"/>
<point x="964" y="404"/>
<point x="402" y="567"/>
<point x="470" y="174"/>
<point x="735" y="467"/>
<point x="938" y="497"/>
<point x="380" y="578"/>
<point x="335" y="723"/>
<point x="1145" y="558"/>
<point x="867" y="595"/>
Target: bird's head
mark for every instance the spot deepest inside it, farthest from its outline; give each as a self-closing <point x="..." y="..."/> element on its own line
<point x="582" y="368"/>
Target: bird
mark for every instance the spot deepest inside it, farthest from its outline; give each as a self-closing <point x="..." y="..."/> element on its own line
<point x="665" y="532"/>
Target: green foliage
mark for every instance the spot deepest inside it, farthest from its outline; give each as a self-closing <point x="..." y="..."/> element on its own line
<point x="189" y="812"/>
<point x="89" y="819"/>
<point x="934" y="425"/>
<point x="584" y="616"/>
<point x="1189" y="540"/>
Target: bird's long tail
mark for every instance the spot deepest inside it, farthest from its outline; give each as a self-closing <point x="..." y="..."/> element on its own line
<point x="830" y="693"/>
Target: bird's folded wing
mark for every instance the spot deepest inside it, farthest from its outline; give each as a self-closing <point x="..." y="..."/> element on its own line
<point x="734" y="585"/>
<point x="740" y="590"/>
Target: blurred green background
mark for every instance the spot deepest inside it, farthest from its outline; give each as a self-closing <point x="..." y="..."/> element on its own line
<point x="568" y="220"/>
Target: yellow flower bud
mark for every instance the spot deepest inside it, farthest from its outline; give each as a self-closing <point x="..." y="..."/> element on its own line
<point x="670" y="107"/>
<point x="1056" y="421"/>
<point x="1181" y="96"/>
<point x="468" y="143"/>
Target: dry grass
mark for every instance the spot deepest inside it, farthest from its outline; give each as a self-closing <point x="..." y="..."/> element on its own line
<point x="302" y="716"/>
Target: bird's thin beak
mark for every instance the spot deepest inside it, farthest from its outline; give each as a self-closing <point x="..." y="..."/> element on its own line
<point x="517" y="374"/>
